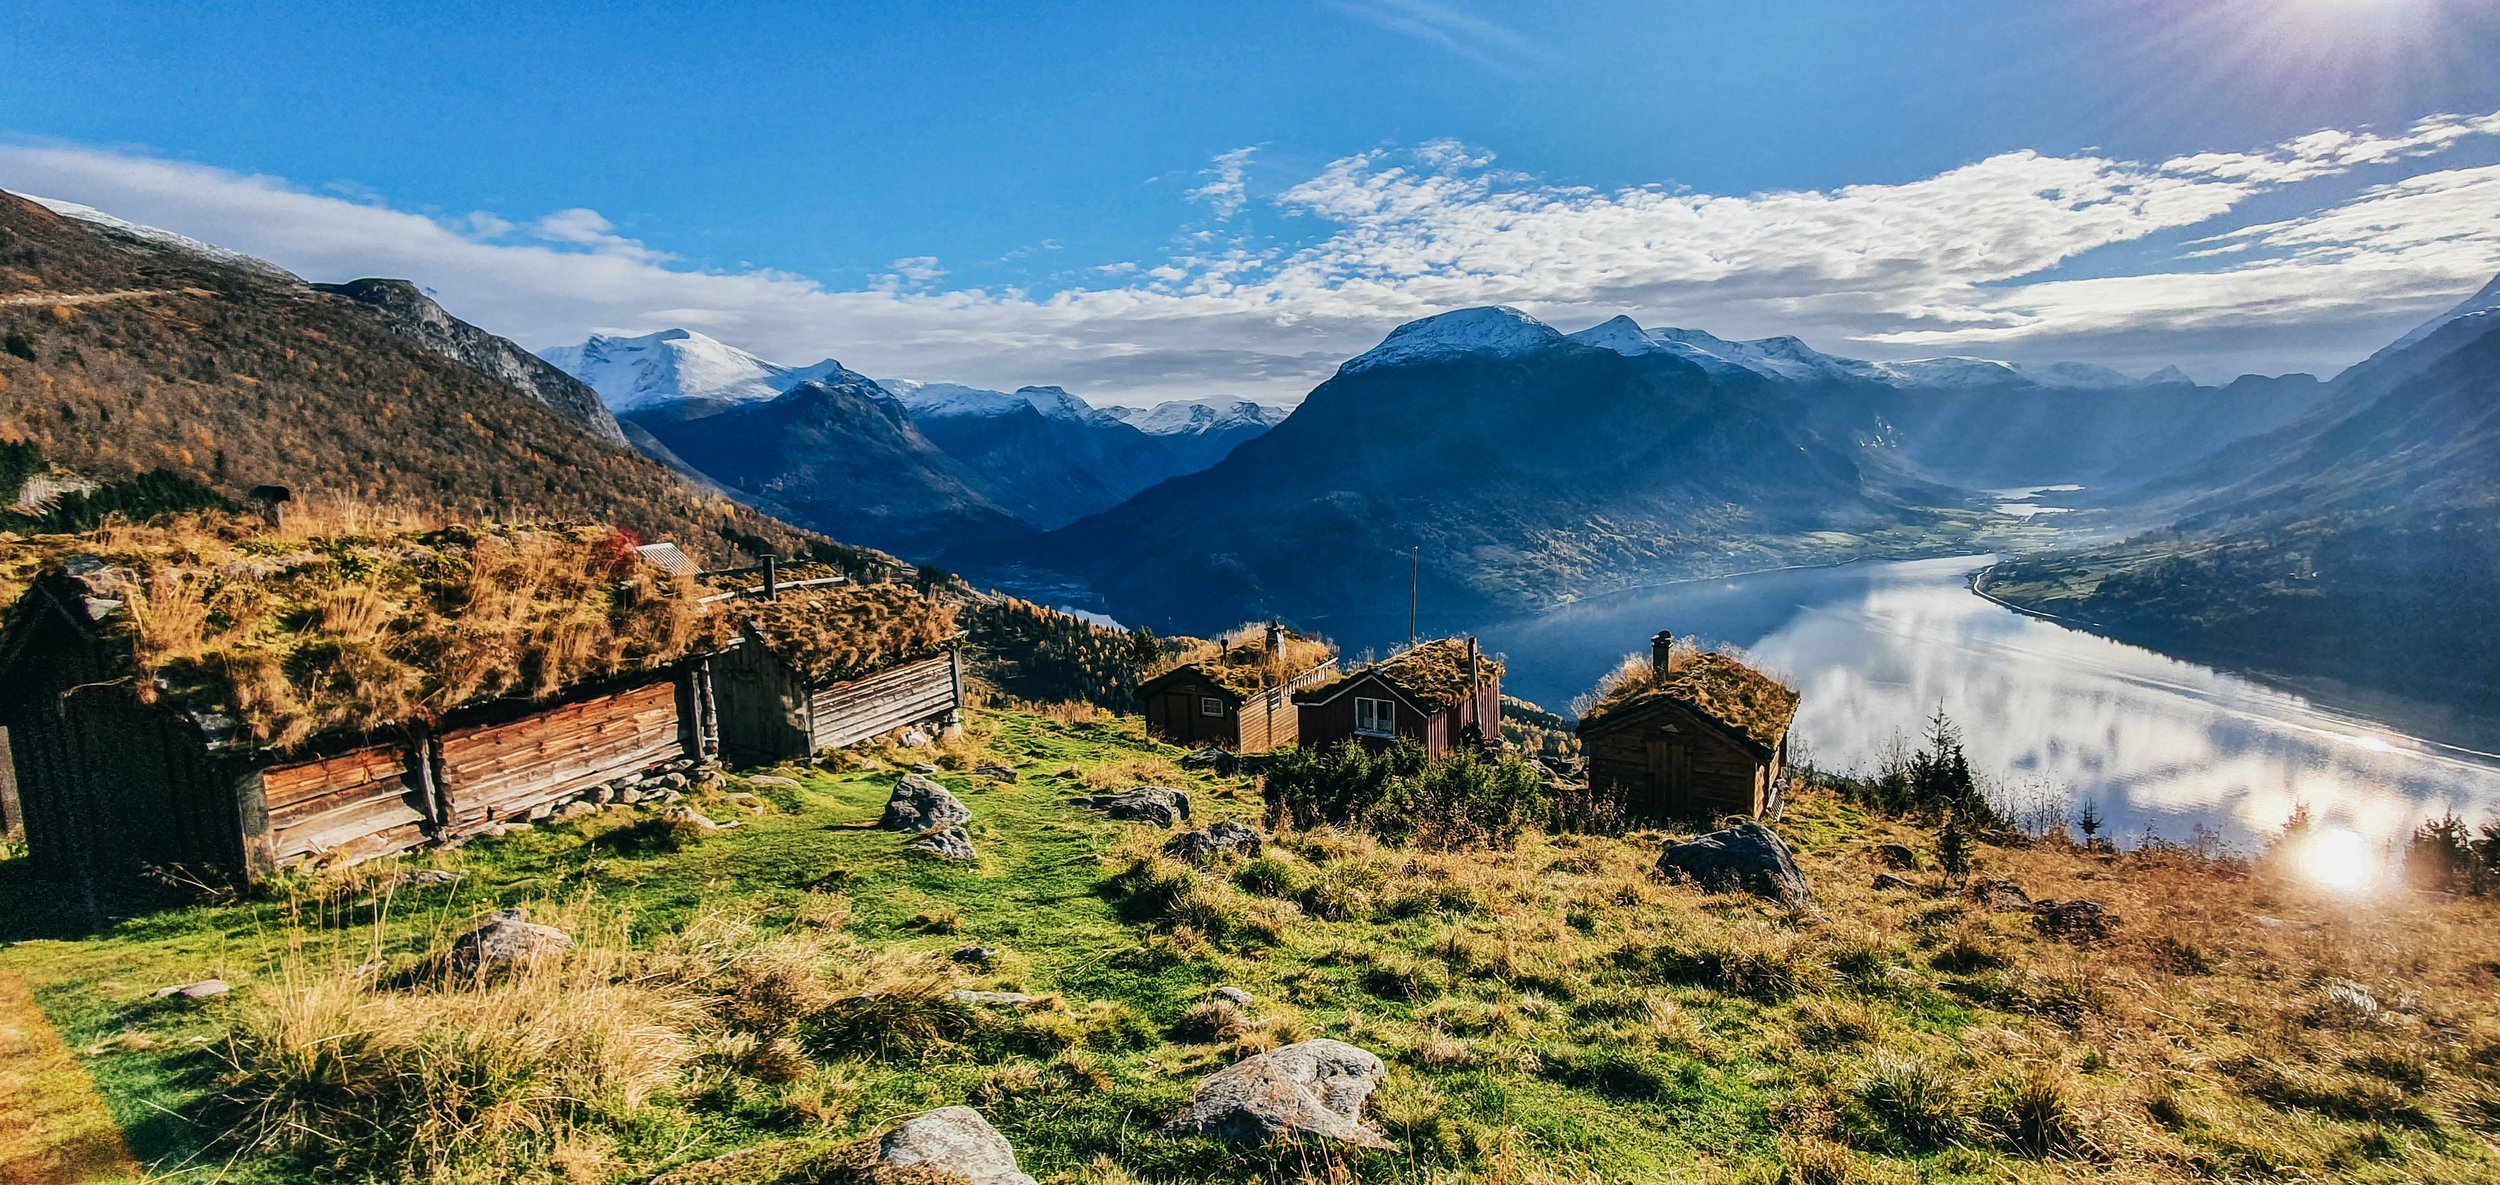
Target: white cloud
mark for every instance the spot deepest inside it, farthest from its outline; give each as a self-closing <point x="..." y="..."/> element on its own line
<point x="1227" y="189"/>
<point x="1452" y="28"/>
<point x="1967" y="260"/>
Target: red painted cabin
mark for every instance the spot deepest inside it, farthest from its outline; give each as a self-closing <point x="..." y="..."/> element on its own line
<point x="1442" y="694"/>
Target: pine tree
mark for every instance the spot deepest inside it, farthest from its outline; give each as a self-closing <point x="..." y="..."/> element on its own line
<point x="1953" y="848"/>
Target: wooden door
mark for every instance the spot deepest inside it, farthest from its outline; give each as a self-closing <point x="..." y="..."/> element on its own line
<point x="1670" y="772"/>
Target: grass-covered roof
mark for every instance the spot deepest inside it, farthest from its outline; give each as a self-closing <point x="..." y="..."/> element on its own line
<point x="1719" y="686"/>
<point x="1238" y="660"/>
<point x="843" y="631"/>
<point x="295" y="636"/>
<point x="1432" y="674"/>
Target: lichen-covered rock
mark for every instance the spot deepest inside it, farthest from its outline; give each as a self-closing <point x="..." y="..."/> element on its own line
<point x="995" y="773"/>
<point x="1162" y="806"/>
<point x="2075" y="921"/>
<point x="1225" y="837"/>
<point x="200" y="990"/>
<point x="1745" y="858"/>
<point x="955" y="1141"/>
<point x="949" y="843"/>
<point x="504" y="940"/>
<point x="1314" y="1089"/>
<point x="919" y="804"/>
<point x="1232" y="995"/>
<point x="1998" y="893"/>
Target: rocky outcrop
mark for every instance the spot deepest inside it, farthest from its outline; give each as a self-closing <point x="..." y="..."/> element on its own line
<point x="1162" y="806"/>
<point x="503" y="941"/>
<point x="1222" y="838"/>
<point x="1314" y="1089"/>
<point x="945" y="843"/>
<point x="954" y="1141"/>
<point x="2077" y="921"/>
<point x="1746" y="858"/>
<point x="919" y="804"/>
<point x="413" y="317"/>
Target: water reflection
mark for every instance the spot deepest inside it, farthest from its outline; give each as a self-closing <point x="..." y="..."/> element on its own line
<point x="2161" y="747"/>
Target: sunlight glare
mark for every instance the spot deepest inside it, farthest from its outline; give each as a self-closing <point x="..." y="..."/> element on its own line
<point x="2339" y="858"/>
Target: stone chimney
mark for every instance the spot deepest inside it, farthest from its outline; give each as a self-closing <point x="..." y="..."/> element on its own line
<point x="1662" y="651"/>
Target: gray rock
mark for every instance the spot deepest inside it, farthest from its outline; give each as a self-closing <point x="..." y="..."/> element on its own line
<point x="630" y="780"/>
<point x="976" y="956"/>
<point x="913" y="738"/>
<point x="504" y="940"/>
<point x="1745" y="858"/>
<point x="1312" y="1089"/>
<point x="769" y="780"/>
<point x="686" y="816"/>
<point x="1162" y="806"/>
<point x="2077" y="921"/>
<point x="201" y="990"/>
<point x="426" y="878"/>
<point x="949" y="843"/>
<point x="600" y="794"/>
<point x="1233" y="995"/>
<point x="575" y="810"/>
<point x="629" y="796"/>
<point x="994" y="999"/>
<point x="673" y="781"/>
<point x="541" y="811"/>
<point x="923" y="768"/>
<point x="1894" y="882"/>
<point x="955" y="1141"/>
<point x="1224" y="837"/>
<point x="2001" y="894"/>
<point x="995" y="773"/>
<point x="919" y="804"/>
<point x="1897" y="857"/>
<point x="1223" y="762"/>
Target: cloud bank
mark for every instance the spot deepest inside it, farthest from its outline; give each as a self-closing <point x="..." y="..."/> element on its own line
<point x="1978" y="259"/>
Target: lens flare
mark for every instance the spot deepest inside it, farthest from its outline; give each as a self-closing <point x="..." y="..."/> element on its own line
<point x="2339" y="858"/>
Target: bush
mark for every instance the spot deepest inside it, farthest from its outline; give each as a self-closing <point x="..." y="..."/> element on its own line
<point x="1457" y="801"/>
<point x="1914" y="1102"/>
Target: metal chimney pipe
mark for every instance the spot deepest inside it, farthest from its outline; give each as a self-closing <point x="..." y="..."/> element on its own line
<point x="1662" y="651"/>
<point x="772" y="577"/>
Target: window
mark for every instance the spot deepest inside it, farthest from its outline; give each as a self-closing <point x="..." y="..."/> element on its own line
<point x="1376" y="717"/>
<point x="1210" y="706"/>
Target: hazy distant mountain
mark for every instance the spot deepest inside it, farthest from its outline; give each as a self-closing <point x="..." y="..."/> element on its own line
<point x="1200" y="432"/>
<point x="632" y="373"/>
<point x="1526" y="465"/>
<point x="1052" y="456"/>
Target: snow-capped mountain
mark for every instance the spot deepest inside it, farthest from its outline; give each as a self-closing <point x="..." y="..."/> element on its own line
<point x="1198" y="417"/>
<point x="123" y="228"/>
<point x="1496" y="331"/>
<point x="632" y="373"/>
<point x="1791" y="360"/>
<point x="949" y="400"/>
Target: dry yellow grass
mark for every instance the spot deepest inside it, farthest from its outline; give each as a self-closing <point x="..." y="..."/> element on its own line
<point x="1239" y="661"/>
<point x="1721" y="686"/>
<point x="844" y="631"/>
<point x="54" y="1129"/>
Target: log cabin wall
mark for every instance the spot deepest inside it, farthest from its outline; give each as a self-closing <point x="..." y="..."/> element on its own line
<point x="1333" y="720"/>
<point x="503" y="772"/>
<point x="763" y="707"/>
<point x="1668" y="763"/>
<point x="1174" y="714"/>
<point x="871" y="706"/>
<point x="359" y="804"/>
<point x="12" y="816"/>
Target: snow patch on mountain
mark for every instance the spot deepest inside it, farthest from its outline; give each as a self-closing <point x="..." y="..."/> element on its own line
<point x="1791" y="360"/>
<point x="631" y="373"/>
<point x="1197" y="417"/>
<point x="1498" y="330"/>
<point x="2481" y="302"/>
<point x="952" y="400"/>
<point x="160" y="237"/>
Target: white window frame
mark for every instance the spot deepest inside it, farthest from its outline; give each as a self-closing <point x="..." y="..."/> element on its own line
<point x="1209" y="705"/>
<point x="1383" y="715"/>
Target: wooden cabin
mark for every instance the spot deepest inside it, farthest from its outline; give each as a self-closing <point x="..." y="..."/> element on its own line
<point x="1694" y="736"/>
<point x="823" y="668"/>
<point x="111" y="780"/>
<point x="1238" y="695"/>
<point x="1441" y="694"/>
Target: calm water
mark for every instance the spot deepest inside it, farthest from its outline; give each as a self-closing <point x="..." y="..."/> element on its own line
<point x="2161" y="747"/>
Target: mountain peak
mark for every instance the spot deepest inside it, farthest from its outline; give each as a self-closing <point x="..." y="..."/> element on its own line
<point x="1498" y="330"/>
<point x="672" y="365"/>
<point x="2481" y="302"/>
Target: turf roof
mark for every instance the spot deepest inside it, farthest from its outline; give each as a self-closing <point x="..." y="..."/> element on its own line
<point x="1432" y="674"/>
<point x="1750" y="703"/>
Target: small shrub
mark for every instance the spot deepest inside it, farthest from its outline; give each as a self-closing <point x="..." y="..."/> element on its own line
<point x="905" y="1016"/>
<point x="1915" y="1102"/>
<point x="1266" y="876"/>
<point x="1210" y="1020"/>
<point x="2034" y="1113"/>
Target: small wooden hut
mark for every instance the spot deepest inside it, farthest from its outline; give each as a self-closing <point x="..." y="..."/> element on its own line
<point x="1442" y="694"/>
<point x="1236" y="693"/>
<point x="347" y="710"/>
<point x="823" y="667"/>
<point x="1692" y="735"/>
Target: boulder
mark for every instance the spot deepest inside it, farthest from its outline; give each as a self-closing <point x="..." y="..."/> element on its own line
<point x="2075" y="921"/>
<point x="913" y="738"/>
<point x="200" y="990"/>
<point x="1745" y="858"/>
<point x="1220" y="838"/>
<point x="956" y="1142"/>
<point x="919" y="804"/>
<point x="505" y="940"/>
<point x="1232" y="995"/>
<point x="1302" y="1091"/>
<point x="1162" y="806"/>
<point x="1999" y="893"/>
<point x="1223" y="762"/>
<point x="946" y="843"/>
<point x="1895" y="856"/>
<point x="976" y="956"/>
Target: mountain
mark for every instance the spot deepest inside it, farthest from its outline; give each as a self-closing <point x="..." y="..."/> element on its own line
<point x="413" y="315"/>
<point x="2359" y="543"/>
<point x="674" y="365"/>
<point x="1050" y="456"/>
<point x="1529" y="467"/>
<point x="1200" y="432"/>
<point x="837" y="453"/>
<point x="134" y="350"/>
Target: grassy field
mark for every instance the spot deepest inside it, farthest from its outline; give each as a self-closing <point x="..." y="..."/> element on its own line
<point x="1549" y="1013"/>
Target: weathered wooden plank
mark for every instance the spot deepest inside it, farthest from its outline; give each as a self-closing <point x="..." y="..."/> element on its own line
<point x="372" y="825"/>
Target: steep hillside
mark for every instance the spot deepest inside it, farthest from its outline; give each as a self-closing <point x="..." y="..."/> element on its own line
<point x="412" y="314"/>
<point x="1525" y="465"/>
<point x="839" y="455"/>
<point x="130" y="351"/>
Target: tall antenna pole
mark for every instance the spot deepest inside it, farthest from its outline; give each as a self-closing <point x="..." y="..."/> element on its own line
<point x="1414" y="590"/>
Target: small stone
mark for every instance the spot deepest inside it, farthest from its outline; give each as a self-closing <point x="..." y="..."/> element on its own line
<point x="630" y="796"/>
<point x="953" y="1144"/>
<point x="1314" y="1088"/>
<point x="199" y="990"/>
<point x="923" y="768"/>
<point x="502" y="940"/>
<point x="947" y="843"/>
<point x="1223" y="762"/>
<point x="1897" y="857"/>
<point x="673" y="781"/>
<point x="2002" y="894"/>
<point x="600" y="795"/>
<point x="686" y="816"/>
<point x="995" y="999"/>
<point x="913" y="738"/>
<point x="1224" y="837"/>
<point x="1233" y="995"/>
<point x="976" y="956"/>
<point x="426" y="878"/>
<point x="919" y="804"/>
<point x="503" y="828"/>
<point x="541" y="811"/>
<point x="1162" y="806"/>
<point x="575" y="810"/>
<point x="2077" y="921"/>
<point x="672" y="797"/>
<point x="996" y="773"/>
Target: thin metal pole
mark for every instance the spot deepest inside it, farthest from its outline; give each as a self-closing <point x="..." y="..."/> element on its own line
<point x="1414" y="591"/>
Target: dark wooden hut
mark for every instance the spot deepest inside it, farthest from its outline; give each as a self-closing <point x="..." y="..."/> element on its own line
<point x="822" y="668"/>
<point x="1695" y="735"/>
<point x="1240" y="697"/>
<point x="1442" y="694"/>
<point x="115" y="775"/>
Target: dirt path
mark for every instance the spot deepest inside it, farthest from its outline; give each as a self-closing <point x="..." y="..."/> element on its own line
<point x="54" y="1129"/>
<point x="53" y="298"/>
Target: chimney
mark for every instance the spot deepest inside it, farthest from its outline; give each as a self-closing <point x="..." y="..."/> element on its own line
<point x="1275" y="640"/>
<point x="1662" y="651"/>
<point x="772" y="577"/>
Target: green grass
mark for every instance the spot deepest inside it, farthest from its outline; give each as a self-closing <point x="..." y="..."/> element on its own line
<point x="1549" y="1013"/>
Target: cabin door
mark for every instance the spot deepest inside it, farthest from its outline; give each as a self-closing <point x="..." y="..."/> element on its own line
<point x="1671" y="772"/>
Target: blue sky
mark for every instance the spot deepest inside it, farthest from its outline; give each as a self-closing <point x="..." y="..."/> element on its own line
<point x="1144" y="200"/>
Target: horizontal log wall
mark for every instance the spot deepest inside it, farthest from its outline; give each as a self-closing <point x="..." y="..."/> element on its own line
<point x="504" y="771"/>
<point x="359" y="804"/>
<point x="1719" y="776"/>
<point x="848" y="713"/>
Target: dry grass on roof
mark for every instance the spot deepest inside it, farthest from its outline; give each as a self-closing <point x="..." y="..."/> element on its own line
<point x="297" y="636"/>
<point x="1237" y="660"/>
<point x="1433" y="674"/>
<point x="848" y="630"/>
<point x="1720" y="686"/>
